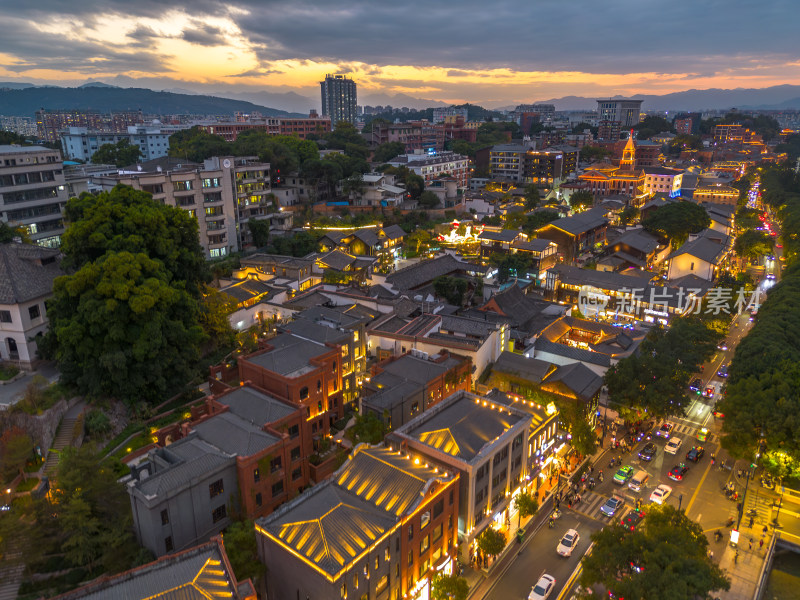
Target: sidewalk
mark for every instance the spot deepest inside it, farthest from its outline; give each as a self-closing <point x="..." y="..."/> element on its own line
<point x="744" y="572"/>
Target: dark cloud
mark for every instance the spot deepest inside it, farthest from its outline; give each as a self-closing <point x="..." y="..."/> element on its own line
<point x="203" y="35"/>
<point x="257" y="73"/>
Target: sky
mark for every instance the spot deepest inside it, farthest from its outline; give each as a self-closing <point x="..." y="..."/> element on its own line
<point x="494" y="53"/>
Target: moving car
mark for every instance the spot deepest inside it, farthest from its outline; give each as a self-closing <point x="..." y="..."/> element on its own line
<point x="770" y="276"/>
<point x="568" y="543"/>
<point x="632" y="519"/>
<point x="648" y="452"/>
<point x="543" y="588"/>
<point x="612" y="505"/>
<point x="664" y="430"/>
<point x="722" y="346"/>
<point x="678" y="471"/>
<point x="723" y="370"/>
<point x="695" y="454"/>
<point x="709" y="392"/>
<point x="660" y="494"/>
<point x="673" y="445"/>
<point x="695" y="384"/>
<point x="702" y="434"/>
<point x="718" y="413"/>
<point x="622" y="476"/>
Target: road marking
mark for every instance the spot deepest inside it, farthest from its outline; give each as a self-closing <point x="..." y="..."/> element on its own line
<point x="575" y="574"/>
<point x="697" y="489"/>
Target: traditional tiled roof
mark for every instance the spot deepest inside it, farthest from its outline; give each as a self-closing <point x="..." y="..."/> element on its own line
<point x="394" y="232"/>
<point x="290" y="355"/>
<point x="579" y="378"/>
<point x="23" y="277"/>
<point x="336" y="260"/>
<point x="542" y="344"/>
<point x="704" y="248"/>
<point x="310" y="330"/>
<point x="255" y="406"/>
<point x="246" y="289"/>
<point x="233" y="435"/>
<point x="638" y="239"/>
<point x="461" y="425"/>
<point x="581" y="222"/>
<point x="425" y="271"/>
<point x="504" y="235"/>
<point x="195" y="574"/>
<point x="532" y="369"/>
<point x="533" y="245"/>
<point x="334" y="521"/>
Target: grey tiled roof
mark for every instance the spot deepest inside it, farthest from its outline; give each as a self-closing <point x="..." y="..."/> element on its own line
<point x="606" y="280"/>
<point x="246" y="289"/>
<point x="191" y="458"/>
<point x="195" y="574"/>
<point x="579" y="378"/>
<point x="290" y="355"/>
<point x="311" y="330"/>
<point x="333" y="522"/>
<point x="233" y="435"/>
<point x="460" y="426"/>
<point x="703" y="248"/>
<point x="337" y="260"/>
<point x="542" y="344"/>
<point x="426" y="271"/>
<point x="638" y="239"/>
<point x="22" y="278"/>
<point x="534" y="245"/>
<point x="518" y="365"/>
<point x="394" y="232"/>
<point x="580" y="222"/>
<point x="504" y="235"/>
<point x="255" y="406"/>
<point x="335" y="316"/>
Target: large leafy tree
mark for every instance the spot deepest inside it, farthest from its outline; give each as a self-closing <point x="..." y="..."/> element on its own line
<point x="196" y="145"/>
<point x="16" y="448"/>
<point x="386" y="152"/>
<point x="124" y="322"/>
<point x="449" y="587"/>
<point x="120" y="154"/>
<point x="242" y="550"/>
<point x="581" y="200"/>
<point x="491" y="542"/>
<point x="752" y="243"/>
<point x="665" y="557"/>
<point x="526" y="506"/>
<point x="676" y="221"/>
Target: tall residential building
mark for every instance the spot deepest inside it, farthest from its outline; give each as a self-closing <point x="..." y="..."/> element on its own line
<point x="441" y="113"/>
<point x="49" y="123"/>
<point x="338" y="99"/>
<point x="223" y="194"/>
<point x="616" y="115"/>
<point x="33" y="192"/>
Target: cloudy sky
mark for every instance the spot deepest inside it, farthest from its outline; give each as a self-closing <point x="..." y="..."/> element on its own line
<point x="490" y="52"/>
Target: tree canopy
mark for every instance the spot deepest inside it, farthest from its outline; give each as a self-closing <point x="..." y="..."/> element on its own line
<point x="752" y="244"/>
<point x="491" y="542"/>
<point x="386" y="152"/>
<point x="125" y="321"/>
<point x="643" y="563"/>
<point x="449" y="587"/>
<point x="121" y="154"/>
<point x="581" y="200"/>
<point x="676" y="220"/>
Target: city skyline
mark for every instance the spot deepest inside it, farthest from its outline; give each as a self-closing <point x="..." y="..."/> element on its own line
<point x="511" y="53"/>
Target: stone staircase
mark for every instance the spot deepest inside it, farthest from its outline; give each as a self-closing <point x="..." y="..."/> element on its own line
<point x="63" y="439"/>
<point x="10" y="579"/>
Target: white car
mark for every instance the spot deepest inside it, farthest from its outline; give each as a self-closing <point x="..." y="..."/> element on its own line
<point x="568" y="543"/>
<point x="673" y="445"/>
<point x="543" y="588"/>
<point x="660" y="494"/>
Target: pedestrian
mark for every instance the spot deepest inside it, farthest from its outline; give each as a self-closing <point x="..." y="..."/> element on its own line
<point x="760" y="543"/>
<point x="569" y="504"/>
<point x="721" y="465"/>
<point x="764" y="531"/>
<point x="711" y="555"/>
<point x="751" y="522"/>
<point x="751" y="544"/>
<point x="591" y="469"/>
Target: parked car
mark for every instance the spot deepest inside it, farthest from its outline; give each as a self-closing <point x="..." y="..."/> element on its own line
<point x="632" y="519"/>
<point x="695" y="384"/>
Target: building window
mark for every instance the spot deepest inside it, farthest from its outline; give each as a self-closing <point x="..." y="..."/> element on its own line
<point x="303" y="392"/>
<point x="355" y="581"/>
<point x="215" y="489"/>
<point x="277" y="489"/>
<point x="297" y="473"/>
<point x="294" y="431"/>
<point x="218" y="514"/>
<point x="258" y="499"/>
<point x="168" y="544"/>
<point x="451" y="497"/>
<point x="275" y="465"/>
<point x="386" y="554"/>
<point x="410" y="558"/>
<point x="34" y="311"/>
<point x="164" y="517"/>
<point x="410" y="531"/>
<point x="415" y="408"/>
<point x="424" y="544"/>
<point x="256" y="476"/>
<point x="382" y="584"/>
<point x="424" y="519"/>
<point x="377" y="562"/>
<point x="295" y="453"/>
<point x="438" y="508"/>
<point x="5" y="316"/>
<point x="436" y="534"/>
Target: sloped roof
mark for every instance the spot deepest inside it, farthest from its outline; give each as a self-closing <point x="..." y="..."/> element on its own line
<point x="394" y="232"/>
<point x="289" y="356"/>
<point x="532" y="369"/>
<point x="425" y="271"/>
<point x="533" y="245"/>
<point x="542" y="344"/>
<point x="317" y="332"/>
<point x="461" y="426"/>
<point x="334" y="521"/>
<point x="234" y="435"/>
<point x="504" y="235"/>
<point x="22" y="277"/>
<point x="703" y="248"/>
<point x="337" y="260"/>
<point x="638" y="239"/>
<point x="581" y="222"/>
<point x="255" y="406"/>
<point x="198" y="573"/>
<point x="579" y="378"/>
<point x="246" y="289"/>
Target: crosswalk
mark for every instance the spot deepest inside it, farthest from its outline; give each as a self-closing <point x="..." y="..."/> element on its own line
<point x="590" y="505"/>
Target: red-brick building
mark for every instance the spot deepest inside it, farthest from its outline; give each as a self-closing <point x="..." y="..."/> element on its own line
<point x="272" y="125"/>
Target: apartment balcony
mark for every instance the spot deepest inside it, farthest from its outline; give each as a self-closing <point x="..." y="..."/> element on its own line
<point x="213" y="218"/>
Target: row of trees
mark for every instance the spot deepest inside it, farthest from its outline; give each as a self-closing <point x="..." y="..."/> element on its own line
<point x="764" y="383"/>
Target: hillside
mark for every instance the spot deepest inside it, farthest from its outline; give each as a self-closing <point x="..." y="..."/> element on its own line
<point x="25" y="102"/>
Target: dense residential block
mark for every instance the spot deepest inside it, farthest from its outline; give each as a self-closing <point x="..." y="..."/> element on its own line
<point x="339" y="99"/>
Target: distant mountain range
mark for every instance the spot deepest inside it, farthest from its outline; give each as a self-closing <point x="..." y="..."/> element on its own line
<point x="23" y="100"/>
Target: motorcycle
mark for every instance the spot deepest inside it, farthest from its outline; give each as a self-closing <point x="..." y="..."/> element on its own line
<point x="729" y="522"/>
<point x="767" y="482"/>
<point x="555" y="515"/>
<point x="612" y="462"/>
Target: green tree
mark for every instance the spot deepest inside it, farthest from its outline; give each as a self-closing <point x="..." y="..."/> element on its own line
<point x="581" y="200"/>
<point x="676" y="220"/>
<point x="451" y="289"/>
<point x="259" y="229"/>
<point x="242" y="550"/>
<point x="415" y="185"/>
<point x="491" y="542"/>
<point x="643" y="563"/>
<point x="628" y="215"/>
<point x="368" y="428"/>
<point x="752" y="244"/>
<point x="9" y="232"/>
<point x="83" y="543"/>
<point x="539" y="219"/>
<point x="16" y="448"/>
<point x="747" y="218"/>
<point x="196" y="145"/>
<point x="97" y="423"/>
<point x="386" y="152"/>
<point x="418" y="240"/>
<point x="532" y="196"/>
<point x="449" y="587"/>
<point x="594" y="153"/>
<point x="428" y="200"/>
<point x="526" y="506"/>
<point x="215" y="308"/>
<point x="575" y="420"/>
<point x="510" y="265"/>
<point x="121" y="154"/>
